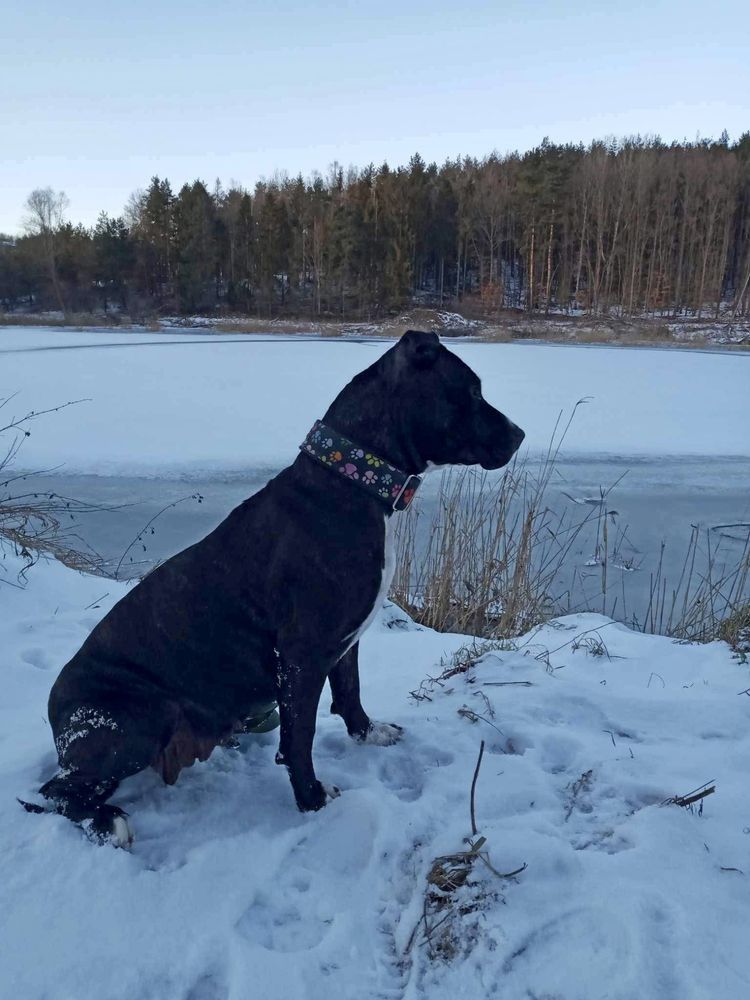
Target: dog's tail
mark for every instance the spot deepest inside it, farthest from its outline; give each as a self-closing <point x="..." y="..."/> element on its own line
<point x="32" y="807"/>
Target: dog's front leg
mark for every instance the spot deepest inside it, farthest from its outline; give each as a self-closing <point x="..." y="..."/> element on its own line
<point x="301" y="681"/>
<point x="344" y="679"/>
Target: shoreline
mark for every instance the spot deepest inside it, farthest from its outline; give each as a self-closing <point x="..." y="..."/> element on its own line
<point x="687" y="334"/>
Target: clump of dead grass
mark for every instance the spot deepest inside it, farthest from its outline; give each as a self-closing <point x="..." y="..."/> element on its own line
<point x="70" y="319"/>
<point x="493" y="554"/>
<point x="32" y="523"/>
<point x="456" y="893"/>
<point x="495" y="559"/>
<point x="709" y="600"/>
<point x="735" y="630"/>
<point x="458" y="664"/>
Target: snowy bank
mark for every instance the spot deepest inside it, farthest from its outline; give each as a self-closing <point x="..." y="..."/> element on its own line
<point x="230" y="893"/>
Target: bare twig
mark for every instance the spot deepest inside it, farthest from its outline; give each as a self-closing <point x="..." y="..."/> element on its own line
<point x="468" y="713"/>
<point x="147" y="525"/>
<point x="525" y="684"/>
<point x="95" y="603"/>
<point x="581" y="784"/>
<point x="473" y="788"/>
<point x="16" y="423"/>
<point x="691" y="797"/>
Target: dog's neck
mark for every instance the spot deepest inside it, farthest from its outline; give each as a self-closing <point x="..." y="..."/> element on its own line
<point x="369" y="414"/>
<point x="361" y="466"/>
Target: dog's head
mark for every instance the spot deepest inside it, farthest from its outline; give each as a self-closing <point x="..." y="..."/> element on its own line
<point x="449" y="421"/>
<point x="420" y="405"/>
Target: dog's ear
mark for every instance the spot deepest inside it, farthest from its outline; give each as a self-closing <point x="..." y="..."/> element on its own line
<point x="421" y="349"/>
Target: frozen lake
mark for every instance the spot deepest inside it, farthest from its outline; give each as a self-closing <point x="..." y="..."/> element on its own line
<point x="168" y="415"/>
<point x="657" y="501"/>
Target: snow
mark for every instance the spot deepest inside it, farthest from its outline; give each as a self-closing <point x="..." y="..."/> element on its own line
<point x="180" y="403"/>
<point x="230" y="893"/>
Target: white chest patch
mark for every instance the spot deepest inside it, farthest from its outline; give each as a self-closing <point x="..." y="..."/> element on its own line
<point x="389" y="568"/>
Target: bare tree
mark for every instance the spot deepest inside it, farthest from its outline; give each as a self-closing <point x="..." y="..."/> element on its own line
<point x="134" y="210"/>
<point x="45" y="214"/>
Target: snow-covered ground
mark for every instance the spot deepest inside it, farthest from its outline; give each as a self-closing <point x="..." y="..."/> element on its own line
<point x="167" y="404"/>
<point x="230" y="893"/>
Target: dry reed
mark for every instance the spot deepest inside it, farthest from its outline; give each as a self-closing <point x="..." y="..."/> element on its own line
<point x="494" y="553"/>
<point x="495" y="557"/>
<point x="36" y="523"/>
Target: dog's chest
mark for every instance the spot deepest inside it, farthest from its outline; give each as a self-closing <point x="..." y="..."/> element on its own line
<point x="389" y="568"/>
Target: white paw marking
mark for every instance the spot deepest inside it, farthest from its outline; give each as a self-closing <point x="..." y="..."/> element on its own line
<point x="332" y="792"/>
<point x="383" y="734"/>
<point x="122" y="833"/>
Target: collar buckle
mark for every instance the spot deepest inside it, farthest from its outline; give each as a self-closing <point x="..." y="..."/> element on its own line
<point x="405" y="495"/>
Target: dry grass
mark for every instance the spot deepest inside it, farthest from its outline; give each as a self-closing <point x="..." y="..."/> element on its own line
<point x="709" y="600"/>
<point x="735" y="630"/>
<point x="33" y="526"/>
<point x="450" y="924"/>
<point x="32" y="523"/>
<point x="460" y="662"/>
<point x="495" y="559"/>
<point x="630" y="332"/>
<point x="249" y="324"/>
<point x="68" y="320"/>
<point x="494" y="552"/>
<point x="496" y="334"/>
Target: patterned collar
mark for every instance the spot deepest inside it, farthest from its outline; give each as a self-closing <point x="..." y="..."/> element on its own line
<point x="390" y="485"/>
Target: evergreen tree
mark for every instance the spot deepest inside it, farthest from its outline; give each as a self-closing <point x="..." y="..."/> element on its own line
<point x="114" y="258"/>
<point x="195" y="248"/>
<point x="634" y="226"/>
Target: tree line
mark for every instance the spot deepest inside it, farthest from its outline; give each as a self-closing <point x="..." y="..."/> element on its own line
<point x="634" y="226"/>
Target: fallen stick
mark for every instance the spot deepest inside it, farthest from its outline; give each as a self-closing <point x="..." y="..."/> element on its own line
<point x="695" y="796"/>
<point x="473" y="788"/>
<point x="502" y="684"/>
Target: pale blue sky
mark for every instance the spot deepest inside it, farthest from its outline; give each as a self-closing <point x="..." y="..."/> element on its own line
<point x="96" y="98"/>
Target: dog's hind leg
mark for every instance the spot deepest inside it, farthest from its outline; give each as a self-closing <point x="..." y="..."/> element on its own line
<point x="98" y="747"/>
<point x="81" y="799"/>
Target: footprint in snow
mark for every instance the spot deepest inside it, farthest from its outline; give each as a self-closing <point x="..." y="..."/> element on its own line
<point x="608" y="840"/>
<point x="559" y="753"/>
<point x="209" y="986"/>
<point x="36" y="657"/>
<point x="541" y="958"/>
<point x="405" y="775"/>
<point x="283" y="922"/>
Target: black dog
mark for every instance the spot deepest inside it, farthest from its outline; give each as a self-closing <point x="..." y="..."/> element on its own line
<point x="272" y="602"/>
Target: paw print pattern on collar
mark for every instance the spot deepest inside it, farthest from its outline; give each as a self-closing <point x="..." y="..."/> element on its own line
<point x="379" y="478"/>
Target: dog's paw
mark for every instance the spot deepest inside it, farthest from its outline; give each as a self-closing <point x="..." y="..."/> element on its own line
<point x="331" y="792"/>
<point x="109" y="825"/>
<point x="382" y="734"/>
<point x="317" y="797"/>
<point x="122" y="833"/>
